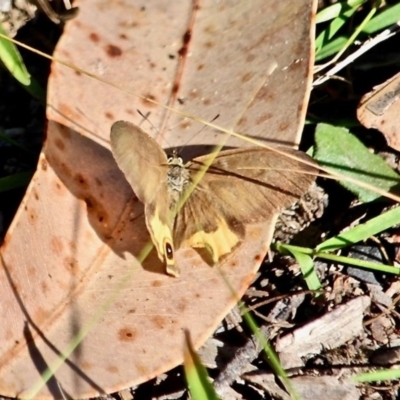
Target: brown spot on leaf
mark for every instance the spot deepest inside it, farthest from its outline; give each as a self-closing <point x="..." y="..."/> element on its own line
<point x="200" y="67"/>
<point x="300" y="108"/>
<point x="156" y="283"/>
<point x="35" y="194"/>
<point x="175" y="88"/>
<point x="123" y="36"/>
<point x="94" y="207"/>
<point x="258" y="257"/>
<point x="58" y="186"/>
<point x="233" y="264"/>
<point x="43" y="164"/>
<point x="182" y="305"/>
<point x="159" y="321"/>
<point x="210" y="29"/>
<point x="64" y="131"/>
<point x="142" y="369"/>
<point x="283" y="126"/>
<point x="243" y="121"/>
<point x="32" y="216"/>
<point x="81" y="180"/>
<point x="150" y="97"/>
<point x="86" y="365"/>
<point x="94" y="37"/>
<point x="209" y="44"/>
<point x="194" y="94"/>
<point x="127" y="334"/>
<point x="70" y="264"/>
<point x="250" y="58"/>
<point x="98" y="181"/>
<point x="44" y="287"/>
<point x="39" y="315"/>
<point x="109" y="115"/>
<point x="113" y="51"/>
<point x="186" y="40"/>
<point x="246" y="77"/>
<point x="112" y="369"/>
<point x="185" y="124"/>
<point x="31" y="271"/>
<point x="56" y="245"/>
<point x="60" y="144"/>
<point x="263" y="117"/>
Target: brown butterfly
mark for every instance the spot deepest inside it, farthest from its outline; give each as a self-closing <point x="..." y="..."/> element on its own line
<point x="206" y="202"/>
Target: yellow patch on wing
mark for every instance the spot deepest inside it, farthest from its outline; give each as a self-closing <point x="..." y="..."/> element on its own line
<point x="219" y="242"/>
<point x="162" y="239"/>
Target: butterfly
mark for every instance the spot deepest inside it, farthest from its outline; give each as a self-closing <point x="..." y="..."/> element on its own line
<point x="206" y="202"/>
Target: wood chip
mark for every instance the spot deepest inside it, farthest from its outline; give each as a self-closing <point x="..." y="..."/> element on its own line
<point x="307" y="387"/>
<point x="330" y="331"/>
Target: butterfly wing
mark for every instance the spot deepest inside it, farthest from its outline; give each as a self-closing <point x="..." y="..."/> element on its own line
<point x="144" y="165"/>
<point x="140" y="158"/>
<point x="239" y="187"/>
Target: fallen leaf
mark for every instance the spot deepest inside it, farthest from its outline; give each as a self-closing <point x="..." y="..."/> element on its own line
<point x="379" y="109"/>
<point x="81" y="315"/>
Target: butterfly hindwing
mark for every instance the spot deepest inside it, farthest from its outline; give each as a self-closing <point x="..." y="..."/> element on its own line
<point x="240" y="186"/>
<point x="202" y="222"/>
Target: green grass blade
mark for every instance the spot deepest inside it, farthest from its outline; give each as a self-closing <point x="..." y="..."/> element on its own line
<point x="383" y="375"/>
<point x="306" y="265"/>
<point x="12" y="60"/>
<point x="272" y="358"/>
<point x="331" y="48"/>
<point x="196" y="375"/>
<point x="14" y="181"/>
<point x="362" y="231"/>
<point x="334" y="10"/>
<point x="330" y="31"/>
<point x="383" y="20"/>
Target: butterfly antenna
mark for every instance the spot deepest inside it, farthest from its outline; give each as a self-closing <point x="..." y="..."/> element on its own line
<point x="147" y="119"/>
<point x="206" y="126"/>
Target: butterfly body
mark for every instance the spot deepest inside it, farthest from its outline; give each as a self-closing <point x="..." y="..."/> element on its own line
<point x="206" y="202"/>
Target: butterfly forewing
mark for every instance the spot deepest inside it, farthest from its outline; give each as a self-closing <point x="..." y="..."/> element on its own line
<point x="145" y="167"/>
<point x="140" y="158"/>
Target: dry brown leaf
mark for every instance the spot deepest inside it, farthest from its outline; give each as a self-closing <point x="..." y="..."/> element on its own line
<point x="70" y="282"/>
<point x="380" y="109"/>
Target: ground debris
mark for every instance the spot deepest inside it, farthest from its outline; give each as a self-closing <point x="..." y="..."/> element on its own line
<point x="332" y="330"/>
